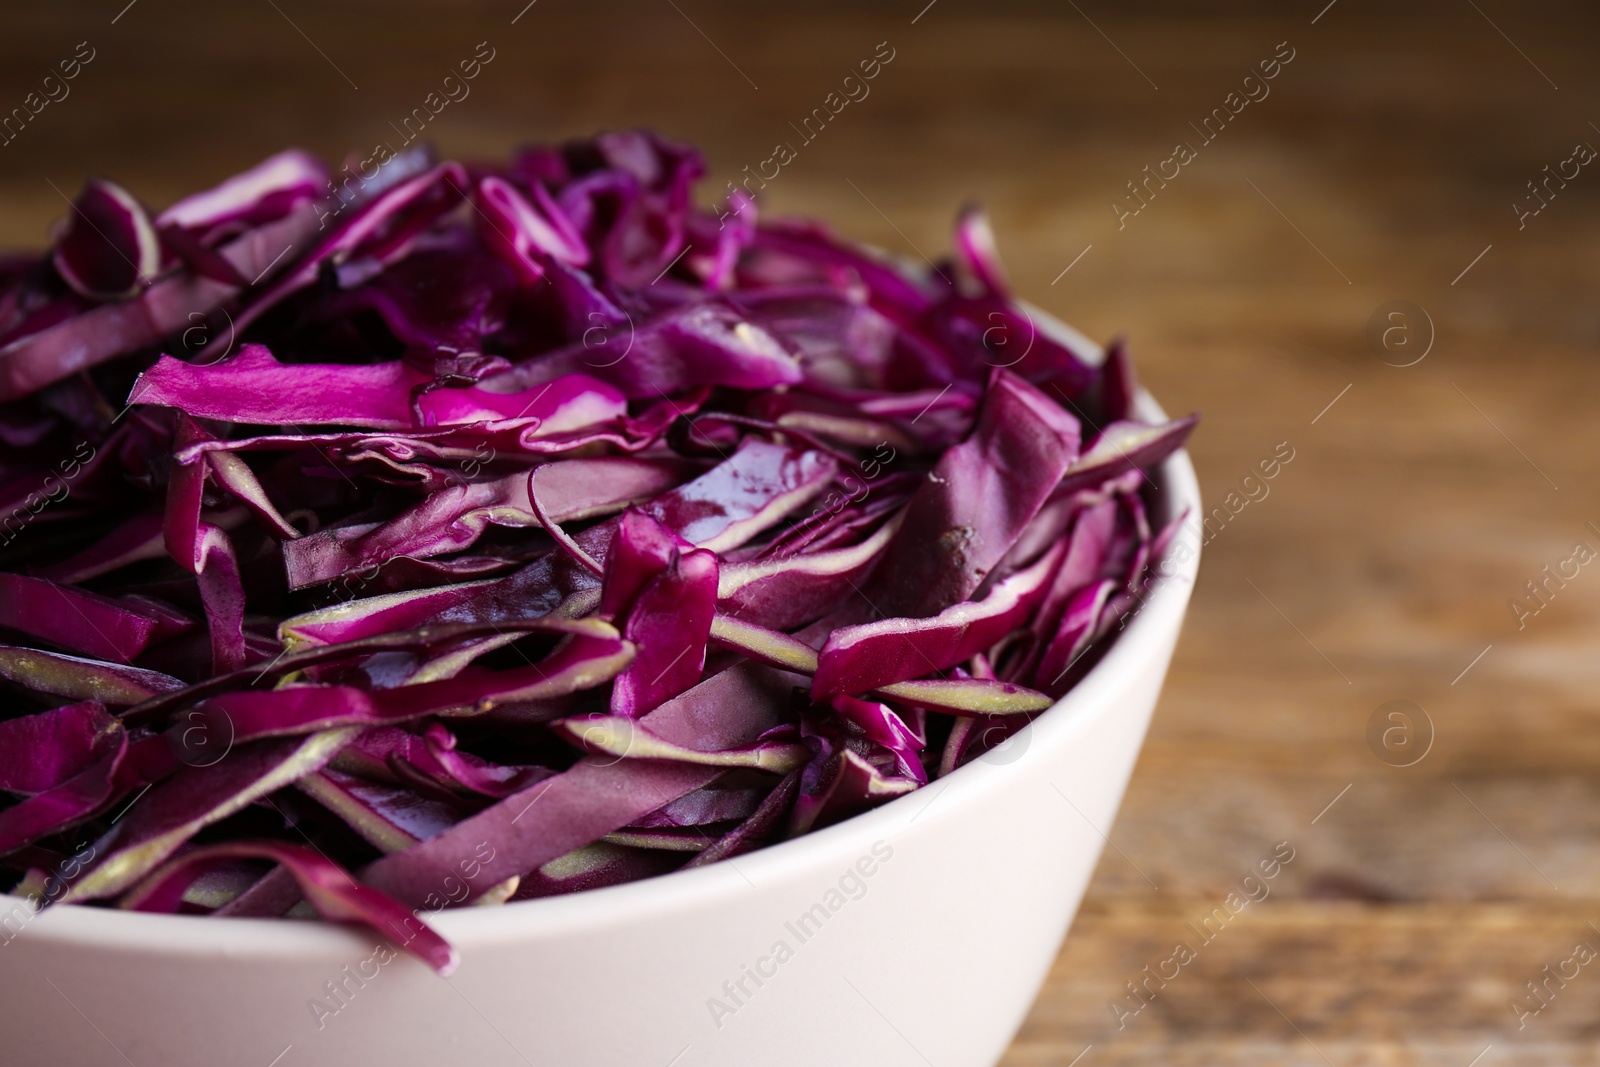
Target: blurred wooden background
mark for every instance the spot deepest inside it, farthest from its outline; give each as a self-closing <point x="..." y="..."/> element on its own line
<point x="1383" y="165"/>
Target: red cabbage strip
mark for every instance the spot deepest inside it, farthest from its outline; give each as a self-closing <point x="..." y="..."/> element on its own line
<point x="39" y="359"/>
<point x="1137" y="561"/>
<point x="732" y="502"/>
<point x="994" y="325"/>
<point x="443" y="635"/>
<point x="727" y="421"/>
<point x="1076" y="631"/>
<point x="77" y="678"/>
<point x="662" y="839"/>
<point x="845" y="429"/>
<point x="858" y="658"/>
<point x="976" y="501"/>
<point x="552" y="526"/>
<point x="591" y="317"/>
<point x="638" y="553"/>
<point x="595" y="797"/>
<point x="729" y="243"/>
<point x="377" y="396"/>
<point x="384" y="229"/>
<point x="972" y="737"/>
<point x="653" y="178"/>
<point x="434" y="458"/>
<point x="505" y="602"/>
<point x="1049" y="527"/>
<point x="1119" y="386"/>
<point x="453" y="519"/>
<point x="446" y="445"/>
<point x="531" y="828"/>
<point x="440" y="760"/>
<point x="965" y="696"/>
<point x="820" y="531"/>
<point x="331" y="891"/>
<point x="624" y="738"/>
<point x="878" y="722"/>
<point x="66" y="805"/>
<point x="763" y="824"/>
<point x="844" y="785"/>
<point x="581" y="663"/>
<point x="762" y="645"/>
<point x="270" y="897"/>
<point x="1088" y="547"/>
<point x="701" y="344"/>
<point x="117" y="768"/>
<point x="374" y="616"/>
<point x="234" y="475"/>
<point x="389" y="817"/>
<point x="911" y="405"/>
<point x="890" y="289"/>
<point x="748" y="493"/>
<point x="527" y="235"/>
<point x="266" y="191"/>
<point x="729" y="504"/>
<point x="194" y="255"/>
<point x="953" y="696"/>
<point x="594" y="867"/>
<point x="669" y="624"/>
<point x="140" y="538"/>
<point x="302" y="709"/>
<point x="704" y="807"/>
<point x="109" y="249"/>
<point x="788" y="592"/>
<point x="203" y="549"/>
<point x="1126" y="446"/>
<point x="39" y="752"/>
<point x="176" y="809"/>
<point x="254" y="387"/>
<point x="571" y="404"/>
<point x="75" y="618"/>
<point x="976" y="245"/>
<point x="67" y="787"/>
<point x="431" y="763"/>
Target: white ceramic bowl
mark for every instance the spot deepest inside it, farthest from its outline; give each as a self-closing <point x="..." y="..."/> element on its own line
<point x="916" y="934"/>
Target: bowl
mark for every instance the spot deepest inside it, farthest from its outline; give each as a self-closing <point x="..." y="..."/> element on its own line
<point x="917" y="934"/>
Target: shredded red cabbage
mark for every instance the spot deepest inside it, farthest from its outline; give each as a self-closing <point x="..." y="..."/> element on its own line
<point x="475" y="533"/>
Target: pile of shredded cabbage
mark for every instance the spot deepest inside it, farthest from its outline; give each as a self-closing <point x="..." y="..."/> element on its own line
<point x="461" y="533"/>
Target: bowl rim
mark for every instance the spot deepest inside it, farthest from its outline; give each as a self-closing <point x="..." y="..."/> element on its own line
<point x="1178" y="495"/>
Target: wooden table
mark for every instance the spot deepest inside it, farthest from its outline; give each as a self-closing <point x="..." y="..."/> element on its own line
<point x="1382" y="163"/>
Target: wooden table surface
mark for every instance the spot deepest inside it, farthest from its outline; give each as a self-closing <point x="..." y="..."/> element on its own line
<point x="1382" y="164"/>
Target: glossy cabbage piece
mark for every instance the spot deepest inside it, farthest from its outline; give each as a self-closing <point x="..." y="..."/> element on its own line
<point x="514" y="529"/>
